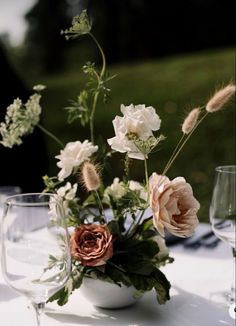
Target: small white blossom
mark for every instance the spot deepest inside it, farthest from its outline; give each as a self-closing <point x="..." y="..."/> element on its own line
<point x="67" y="192"/>
<point x="116" y="190"/>
<point x="136" y="186"/>
<point x="73" y="155"/>
<point x="39" y="87"/>
<point x="138" y="120"/>
<point x="64" y="194"/>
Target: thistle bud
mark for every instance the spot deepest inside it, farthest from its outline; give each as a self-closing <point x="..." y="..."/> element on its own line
<point x="190" y="121"/>
<point x="90" y="176"/>
<point x="220" y="98"/>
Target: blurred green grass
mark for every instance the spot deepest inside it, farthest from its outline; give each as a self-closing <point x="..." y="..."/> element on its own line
<point x="172" y="86"/>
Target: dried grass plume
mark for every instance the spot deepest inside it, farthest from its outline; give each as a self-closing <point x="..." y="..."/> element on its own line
<point x="220" y="98"/>
<point x="190" y="121"/>
<point x="90" y="176"/>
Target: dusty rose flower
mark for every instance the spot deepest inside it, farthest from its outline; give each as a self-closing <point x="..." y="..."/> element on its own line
<point x="91" y="244"/>
<point x="174" y="206"/>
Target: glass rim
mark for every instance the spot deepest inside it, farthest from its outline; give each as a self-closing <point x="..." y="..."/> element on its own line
<point x="226" y="168"/>
<point x="10" y="200"/>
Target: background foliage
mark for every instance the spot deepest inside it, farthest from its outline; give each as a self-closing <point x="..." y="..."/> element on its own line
<point x="170" y="55"/>
<point x="173" y="86"/>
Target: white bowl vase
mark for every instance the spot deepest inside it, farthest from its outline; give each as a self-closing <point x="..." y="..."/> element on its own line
<point x="107" y="295"/>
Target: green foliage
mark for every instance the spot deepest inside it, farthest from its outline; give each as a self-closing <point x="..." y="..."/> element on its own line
<point x="171" y="85"/>
<point x="79" y="109"/>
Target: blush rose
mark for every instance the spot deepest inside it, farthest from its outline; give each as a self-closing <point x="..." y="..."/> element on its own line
<point x="174" y="206"/>
<point x="92" y="244"/>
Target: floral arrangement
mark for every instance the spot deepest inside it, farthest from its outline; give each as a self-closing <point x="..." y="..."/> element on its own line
<point x="117" y="231"/>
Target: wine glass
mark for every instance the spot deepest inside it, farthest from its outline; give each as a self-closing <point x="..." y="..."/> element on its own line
<point x="36" y="260"/>
<point x="7" y="191"/>
<point x="223" y="214"/>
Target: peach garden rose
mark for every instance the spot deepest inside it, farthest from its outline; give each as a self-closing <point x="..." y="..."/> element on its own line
<point x="174" y="206"/>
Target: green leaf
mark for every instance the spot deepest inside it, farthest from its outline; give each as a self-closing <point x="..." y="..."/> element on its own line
<point x="114" y="227"/>
<point x="156" y="280"/>
<point x="162" y="286"/>
<point x="145" y="248"/>
<point x="117" y="275"/>
<point x="138" y="266"/>
<point x="79" y="109"/>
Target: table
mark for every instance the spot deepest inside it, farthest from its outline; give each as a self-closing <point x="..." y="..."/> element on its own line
<point x="195" y="275"/>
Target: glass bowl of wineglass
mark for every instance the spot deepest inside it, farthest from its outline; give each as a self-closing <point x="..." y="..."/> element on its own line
<point x="223" y="217"/>
<point x="35" y="259"/>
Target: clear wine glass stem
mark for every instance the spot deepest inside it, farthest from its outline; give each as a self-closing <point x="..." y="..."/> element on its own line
<point x="232" y="290"/>
<point x="39" y="310"/>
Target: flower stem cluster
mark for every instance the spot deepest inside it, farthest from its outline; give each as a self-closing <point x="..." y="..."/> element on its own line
<point x="118" y="229"/>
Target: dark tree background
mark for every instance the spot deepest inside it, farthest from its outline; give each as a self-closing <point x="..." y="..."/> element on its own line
<point x="132" y="29"/>
<point x="45" y="45"/>
<point x="23" y="165"/>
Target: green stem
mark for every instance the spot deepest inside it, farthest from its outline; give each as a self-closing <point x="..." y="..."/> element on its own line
<point x="174" y="152"/>
<point x="102" y="54"/>
<point x="48" y="133"/>
<point x="101" y="210"/>
<point x="146" y="177"/>
<point x="134" y="226"/>
<point x="182" y="145"/>
<point x="127" y="171"/>
<point x="91" y="118"/>
<point x="99" y="78"/>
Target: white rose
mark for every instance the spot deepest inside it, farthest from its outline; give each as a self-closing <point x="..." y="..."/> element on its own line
<point x="116" y="190"/>
<point x="137" y="119"/>
<point x="73" y="155"/>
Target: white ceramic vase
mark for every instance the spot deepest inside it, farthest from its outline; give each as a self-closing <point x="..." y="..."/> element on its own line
<point x="107" y="295"/>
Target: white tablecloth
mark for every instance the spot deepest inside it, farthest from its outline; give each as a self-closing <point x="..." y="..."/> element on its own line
<point x="195" y="275"/>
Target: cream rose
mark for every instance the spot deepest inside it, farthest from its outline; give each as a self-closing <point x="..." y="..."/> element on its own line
<point x="73" y="155"/>
<point x="92" y="244"/>
<point x="174" y="206"/>
<point x="139" y="120"/>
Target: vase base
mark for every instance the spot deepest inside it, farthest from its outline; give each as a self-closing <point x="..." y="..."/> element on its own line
<point x="107" y="295"/>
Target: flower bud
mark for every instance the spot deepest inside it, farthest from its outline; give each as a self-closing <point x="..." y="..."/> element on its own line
<point x="220" y="98"/>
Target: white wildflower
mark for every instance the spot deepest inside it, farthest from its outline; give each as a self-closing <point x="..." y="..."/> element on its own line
<point x="20" y="120"/>
<point x="116" y="190"/>
<point x="39" y="87"/>
<point x="136" y="186"/>
<point x="67" y="192"/>
<point x="73" y="155"/>
<point x="138" y="120"/>
<point x="64" y="195"/>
